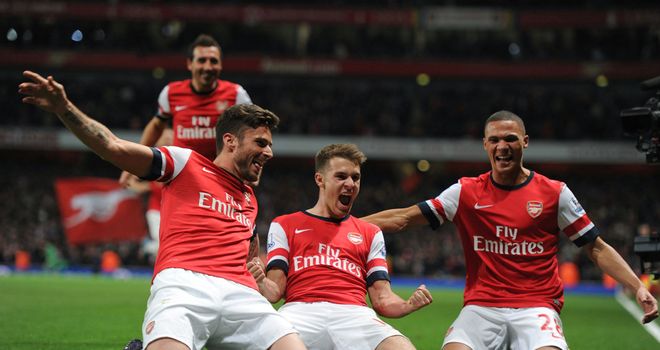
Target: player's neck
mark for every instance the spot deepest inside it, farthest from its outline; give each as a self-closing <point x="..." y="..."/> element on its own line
<point x="319" y="210"/>
<point x="199" y="89"/>
<point x="322" y="210"/>
<point x="511" y="178"/>
<point x="226" y="164"/>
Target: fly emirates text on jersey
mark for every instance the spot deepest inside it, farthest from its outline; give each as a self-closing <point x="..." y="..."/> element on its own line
<point x="499" y="246"/>
<point x="327" y="256"/>
<point x="201" y="129"/>
<point x="228" y="207"/>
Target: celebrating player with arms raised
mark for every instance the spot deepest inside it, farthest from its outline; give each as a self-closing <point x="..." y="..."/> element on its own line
<point x="324" y="261"/>
<point x="202" y="294"/>
<point x="509" y="220"/>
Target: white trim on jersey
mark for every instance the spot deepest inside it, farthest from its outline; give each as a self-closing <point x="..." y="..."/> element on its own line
<point x="377" y="249"/>
<point x="163" y="100"/>
<point x="279" y="257"/>
<point x="449" y="199"/>
<point x="376" y="268"/>
<point x="163" y="163"/>
<point x="180" y="157"/>
<point x="242" y="96"/>
<point x="429" y="203"/>
<point x="277" y="239"/>
<point x="569" y="209"/>
<point x="582" y="232"/>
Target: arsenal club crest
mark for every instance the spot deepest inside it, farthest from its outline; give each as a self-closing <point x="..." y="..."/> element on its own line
<point x="221" y="106"/>
<point x="534" y="208"/>
<point x="355" y="237"/>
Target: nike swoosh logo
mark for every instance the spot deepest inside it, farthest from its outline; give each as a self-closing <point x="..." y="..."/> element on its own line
<point x="180" y="108"/>
<point x="297" y="231"/>
<point x="477" y="206"/>
<point x="204" y="169"/>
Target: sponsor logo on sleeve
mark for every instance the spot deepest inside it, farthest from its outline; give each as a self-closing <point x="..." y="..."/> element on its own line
<point x="575" y="206"/>
<point x="382" y="252"/>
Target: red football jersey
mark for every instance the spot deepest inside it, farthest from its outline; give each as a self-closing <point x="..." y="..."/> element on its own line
<point x="194" y="115"/>
<point x="510" y="236"/>
<point x="155" y="195"/>
<point x="325" y="259"/>
<point x="207" y="216"/>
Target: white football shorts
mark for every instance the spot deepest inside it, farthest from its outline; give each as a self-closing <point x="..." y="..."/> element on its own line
<point x="201" y="310"/>
<point x="329" y="326"/>
<point x="495" y="328"/>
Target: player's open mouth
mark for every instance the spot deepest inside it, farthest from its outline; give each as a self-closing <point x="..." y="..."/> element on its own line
<point x="504" y="158"/>
<point x="344" y="199"/>
<point x="258" y="164"/>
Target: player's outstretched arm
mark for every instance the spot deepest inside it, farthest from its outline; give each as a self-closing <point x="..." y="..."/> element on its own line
<point x="610" y="262"/>
<point x="152" y="132"/>
<point x="386" y="303"/>
<point x="394" y="220"/>
<point x="50" y="96"/>
<point x="272" y="284"/>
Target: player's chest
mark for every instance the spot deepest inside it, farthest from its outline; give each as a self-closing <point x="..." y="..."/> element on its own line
<point x="513" y="216"/>
<point x="206" y="192"/>
<point x="184" y="107"/>
<point x="343" y="244"/>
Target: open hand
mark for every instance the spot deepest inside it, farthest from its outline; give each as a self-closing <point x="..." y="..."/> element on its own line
<point x="44" y="93"/>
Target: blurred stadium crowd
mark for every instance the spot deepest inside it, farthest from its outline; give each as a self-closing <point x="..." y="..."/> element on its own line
<point x="407" y="70"/>
<point x="378" y="107"/>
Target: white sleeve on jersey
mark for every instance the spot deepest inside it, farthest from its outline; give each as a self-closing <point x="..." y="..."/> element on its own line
<point x="242" y="96"/>
<point x="172" y="162"/>
<point x="164" y="102"/>
<point x="568" y="214"/>
<point x="377" y="251"/>
<point x="277" y="240"/>
<point x="449" y="200"/>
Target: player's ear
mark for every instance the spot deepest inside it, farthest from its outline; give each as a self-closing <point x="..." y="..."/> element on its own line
<point x="189" y="64"/>
<point x="230" y="141"/>
<point x="525" y="141"/>
<point x="318" y="178"/>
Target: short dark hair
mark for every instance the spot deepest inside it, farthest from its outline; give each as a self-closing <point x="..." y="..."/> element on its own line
<point x="237" y="118"/>
<point x="347" y="151"/>
<point x="505" y="115"/>
<point x="203" y="40"/>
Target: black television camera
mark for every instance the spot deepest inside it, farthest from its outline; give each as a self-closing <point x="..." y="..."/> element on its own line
<point x="644" y="122"/>
<point x="648" y="250"/>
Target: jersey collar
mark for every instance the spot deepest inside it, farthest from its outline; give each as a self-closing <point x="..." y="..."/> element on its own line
<point x="200" y="93"/>
<point x="336" y="221"/>
<point x="514" y="187"/>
